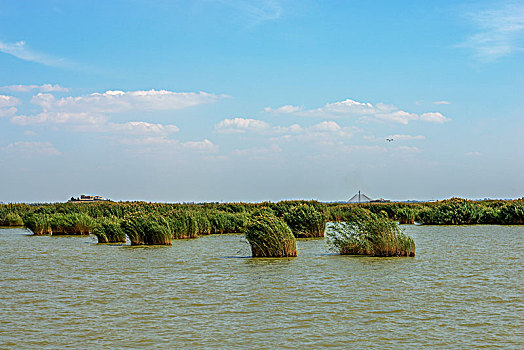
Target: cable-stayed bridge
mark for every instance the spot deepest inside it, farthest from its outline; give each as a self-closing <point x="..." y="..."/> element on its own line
<point x="360" y="198"/>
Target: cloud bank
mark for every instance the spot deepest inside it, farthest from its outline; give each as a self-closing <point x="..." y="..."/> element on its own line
<point x="363" y="110"/>
<point x="28" y="88"/>
<point x="92" y="113"/>
<point x="120" y="101"/>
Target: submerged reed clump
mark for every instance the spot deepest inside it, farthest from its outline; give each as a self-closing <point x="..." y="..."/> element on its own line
<point x="108" y="230"/>
<point x="269" y="236"/>
<point x="39" y="224"/>
<point x="305" y="221"/>
<point x="147" y="229"/>
<point x="375" y="236"/>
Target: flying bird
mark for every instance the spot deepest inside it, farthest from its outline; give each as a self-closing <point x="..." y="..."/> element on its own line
<point x="389" y="140"/>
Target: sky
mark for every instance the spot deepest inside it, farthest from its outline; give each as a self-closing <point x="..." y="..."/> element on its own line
<point x="233" y="100"/>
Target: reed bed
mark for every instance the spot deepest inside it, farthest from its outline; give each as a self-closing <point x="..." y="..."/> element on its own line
<point x="183" y="225"/>
<point x="269" y="236"/>
<point x="71" y="224"/>
<point x="375" y="236"/>
<point x="305" y="218"/>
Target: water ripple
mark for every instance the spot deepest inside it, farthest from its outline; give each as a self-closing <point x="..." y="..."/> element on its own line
<point x="462" y="290"/>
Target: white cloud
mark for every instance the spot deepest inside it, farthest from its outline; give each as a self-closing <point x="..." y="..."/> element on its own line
<point x="292" y="129"/>
<point x="474" y="154"/>
<point x="326" y="126"/>
<point x="153" y="140"/>
<point x="441" y="103"/>
<point x="20" y="50"/>
<point x="392" y="114"/>
<point x="8" y="101"/>
<point x="120" y="101"/>
<point x="499" y="31"/>
<point x="92" y="109"/>
<point x="341" y="109"/>
<point x="59" y="118"/>
<point x="283" y="110"/>
<point x="31" y="148"/>
<point x="258" y="153"/>
<point x="200" y="146"/>
<point x="398" y="137"/>
<point x="161" y="143"/>
<point x="140" y="128"/>
<point x="85" y="122"/>
<point x="351" y="109"/>
<point x="325" y="131"/>
<point x="408" y="149"/>
<point x="28" y="88"/>
<point x="94" y="123"/>
<point x="241" y="125"/>
<point x="434" y="117"/>
<point x="91" y="113"/>
<point x="7" y="112"/>
<point x="7" y="104"/>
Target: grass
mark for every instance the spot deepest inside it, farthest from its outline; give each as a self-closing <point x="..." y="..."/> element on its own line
<point x="374" y="236"/>
<point x="269" y="236"/>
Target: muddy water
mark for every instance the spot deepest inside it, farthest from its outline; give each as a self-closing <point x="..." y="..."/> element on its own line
<point x="462" y="290"/>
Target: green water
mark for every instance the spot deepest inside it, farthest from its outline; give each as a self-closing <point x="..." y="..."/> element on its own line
<point x="462" y="290"/>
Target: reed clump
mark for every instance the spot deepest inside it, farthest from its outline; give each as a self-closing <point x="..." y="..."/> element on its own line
<point x="512" y="213"/>
<point x="39" y="224"/>
<point x="108" y="230"/>
<point x="11" y="219"/>
<point x="147" y="229"/>
<point x="305" y="221"/>
<point x="375" y="236"/>
<point x="269" y="236"/>
<point x="405" y="216"/>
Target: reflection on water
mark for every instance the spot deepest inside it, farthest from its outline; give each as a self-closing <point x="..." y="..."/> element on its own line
<point x="462" y="290"/>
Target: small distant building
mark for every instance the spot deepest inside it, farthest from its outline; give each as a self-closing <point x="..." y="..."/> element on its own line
<point x="86" y="198"/>
<point x="380" y="200"/>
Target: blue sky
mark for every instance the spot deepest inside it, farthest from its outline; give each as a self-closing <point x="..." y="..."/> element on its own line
<point x="217" y="100"/>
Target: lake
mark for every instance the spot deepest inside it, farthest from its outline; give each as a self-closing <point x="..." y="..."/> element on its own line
<point x="464" y="289"/>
